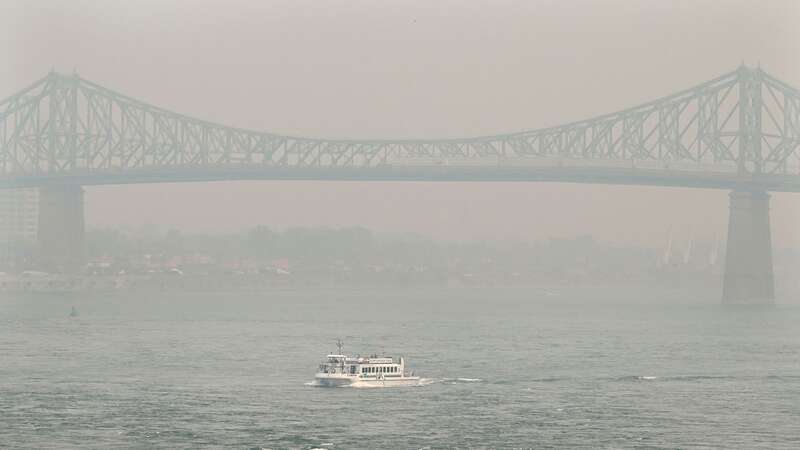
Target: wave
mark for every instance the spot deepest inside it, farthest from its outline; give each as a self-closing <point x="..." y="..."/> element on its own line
<point x="549" y="379"/>
<point x="700" y="377"/>
<point x="667" y="378"/>
<point x="639" y="378"/>
<point x="672" y="378"/>
<point x="783" y="377"/>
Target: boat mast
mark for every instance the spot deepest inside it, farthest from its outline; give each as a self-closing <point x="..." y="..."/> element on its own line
<point x="339" y="346"/>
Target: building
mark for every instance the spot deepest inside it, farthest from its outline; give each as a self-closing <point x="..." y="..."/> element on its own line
<point x="19" y="214"/>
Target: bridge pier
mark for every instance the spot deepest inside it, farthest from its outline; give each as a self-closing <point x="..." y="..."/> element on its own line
<point x="61" y="228"/>
<point x="748" y="262"/>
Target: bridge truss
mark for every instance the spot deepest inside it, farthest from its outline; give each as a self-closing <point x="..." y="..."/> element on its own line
<point x="745" y="123"/>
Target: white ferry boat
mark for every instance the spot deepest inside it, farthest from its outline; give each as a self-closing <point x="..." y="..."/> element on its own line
<point x="373" y="371"/>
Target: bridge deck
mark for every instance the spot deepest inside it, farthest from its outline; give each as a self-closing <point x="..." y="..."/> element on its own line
<point x="601" y="175"/>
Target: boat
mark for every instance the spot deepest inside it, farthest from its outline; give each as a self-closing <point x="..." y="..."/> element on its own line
<point x="338" y="370"/>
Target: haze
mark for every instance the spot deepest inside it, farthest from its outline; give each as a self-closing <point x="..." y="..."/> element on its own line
<point x="361" y="69"/>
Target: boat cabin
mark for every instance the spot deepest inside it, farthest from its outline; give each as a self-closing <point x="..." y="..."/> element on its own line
<point x="372" y="367"/>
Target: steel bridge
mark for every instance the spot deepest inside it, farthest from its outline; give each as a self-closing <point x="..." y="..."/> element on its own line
<point x="739" y="131"/>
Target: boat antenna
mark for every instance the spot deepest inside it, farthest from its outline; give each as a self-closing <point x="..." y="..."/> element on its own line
<point x="339" y="346"/>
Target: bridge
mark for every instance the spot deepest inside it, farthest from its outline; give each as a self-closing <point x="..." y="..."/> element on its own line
<point x="739" y="132"/>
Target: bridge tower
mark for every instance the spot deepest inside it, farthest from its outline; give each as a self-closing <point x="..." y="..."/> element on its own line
<point x="748" y="275"/>
<point x="61" y="228"/>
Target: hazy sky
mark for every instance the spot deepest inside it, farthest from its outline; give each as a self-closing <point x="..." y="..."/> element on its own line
<point x="384" y="69"/>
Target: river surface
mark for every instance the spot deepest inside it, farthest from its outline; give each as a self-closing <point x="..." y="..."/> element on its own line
<point x="505" y="368"/>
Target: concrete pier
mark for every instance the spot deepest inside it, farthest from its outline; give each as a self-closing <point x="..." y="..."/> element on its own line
<point x="748" y="263"/>
<point x="61" y="229"/>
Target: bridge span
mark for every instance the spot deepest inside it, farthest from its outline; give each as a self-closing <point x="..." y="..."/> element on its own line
<point x="739" y="132"/>
<point x="500" y="173"/>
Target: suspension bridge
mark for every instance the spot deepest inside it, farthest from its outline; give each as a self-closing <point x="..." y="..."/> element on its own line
<point x="739" y="132"/>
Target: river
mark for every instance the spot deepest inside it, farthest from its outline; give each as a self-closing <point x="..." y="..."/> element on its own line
<point x="503" y="368"/>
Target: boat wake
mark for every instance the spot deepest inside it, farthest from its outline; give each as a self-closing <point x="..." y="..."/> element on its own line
<point x="464" y="380"/>
<point x="451" y="380"/>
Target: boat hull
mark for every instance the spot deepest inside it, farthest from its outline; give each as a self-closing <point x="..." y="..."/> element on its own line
<point x="333" y="381"/>
<point x="354" y="381"/>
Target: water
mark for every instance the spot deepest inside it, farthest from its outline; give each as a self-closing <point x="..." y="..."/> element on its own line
<point x="507" y="369"/>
